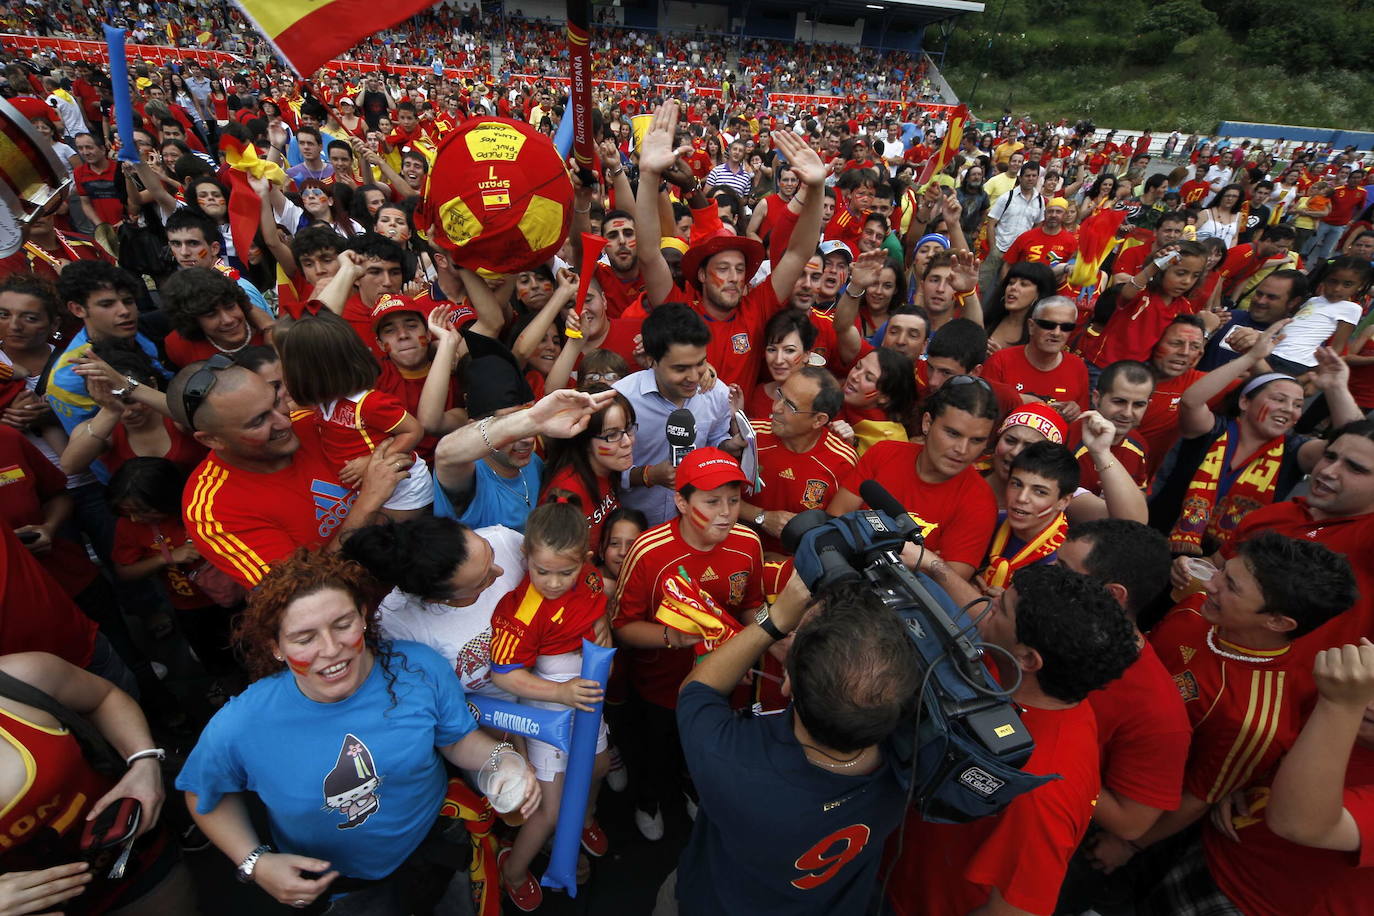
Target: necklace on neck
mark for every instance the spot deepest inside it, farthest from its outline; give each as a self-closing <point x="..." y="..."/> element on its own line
<point x="1233" y="656"/>
<point x="838" y="764"/>
<point x="247" y="339"/>
<point x="505" y="481"/>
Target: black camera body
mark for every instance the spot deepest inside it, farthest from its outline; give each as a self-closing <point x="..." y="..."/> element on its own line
<point x="967" y="743"/>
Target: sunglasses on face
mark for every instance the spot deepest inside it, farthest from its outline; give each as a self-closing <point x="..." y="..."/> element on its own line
<point x="1046" y="324"/>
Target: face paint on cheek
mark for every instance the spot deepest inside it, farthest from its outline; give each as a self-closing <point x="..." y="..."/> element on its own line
<point x="701" y="519"/>
<point x="298" y="665"/>
<point x="1263" y="413"/>
<point x="606" y="450"/>
<point x="872" y="395"/>
<point x="357" y="644"/>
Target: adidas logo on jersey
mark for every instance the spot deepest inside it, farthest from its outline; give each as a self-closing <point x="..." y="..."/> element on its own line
<point x="786" y="474"/>
<point x="709" y="575"/>
<point x="1187" y="652"/>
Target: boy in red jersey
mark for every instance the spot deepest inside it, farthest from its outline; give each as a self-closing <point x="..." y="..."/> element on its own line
<point x="1233" y="665"/>
<point x="721" y="558"/>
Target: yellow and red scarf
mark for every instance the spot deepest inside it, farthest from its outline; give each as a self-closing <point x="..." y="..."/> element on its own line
<point x="692" y="610"/>
<point x="1203" y="513"/>
<point x="1000" y="567"/>
<point x="462" y="803"/>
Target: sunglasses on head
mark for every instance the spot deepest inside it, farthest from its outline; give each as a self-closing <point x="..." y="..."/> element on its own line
<point x="200" y="384"/>
<point x="1046" y="324"/>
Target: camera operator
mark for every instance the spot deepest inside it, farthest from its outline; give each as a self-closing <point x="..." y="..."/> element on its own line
<point x="795" y="807"/>
<point x="1063" y="635"/>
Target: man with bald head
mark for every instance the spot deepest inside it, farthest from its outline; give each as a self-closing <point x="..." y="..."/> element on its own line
<point x="266" y="488"/>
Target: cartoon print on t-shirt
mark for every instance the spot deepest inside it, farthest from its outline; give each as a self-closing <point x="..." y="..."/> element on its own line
<point x="351" y="787"/>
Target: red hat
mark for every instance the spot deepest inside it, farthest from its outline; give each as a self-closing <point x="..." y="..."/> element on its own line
<point x="708" y="468"/>
<point x="390" y="304"/>
<point x="722" y="240"/>
<point x="1042" y="418"/>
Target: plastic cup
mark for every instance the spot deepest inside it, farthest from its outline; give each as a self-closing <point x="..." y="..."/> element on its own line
<point x="1200" y="572"/>
<point x="502" y="781"/>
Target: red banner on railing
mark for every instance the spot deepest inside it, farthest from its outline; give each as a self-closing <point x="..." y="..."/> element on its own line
<point x="77" y="48"/>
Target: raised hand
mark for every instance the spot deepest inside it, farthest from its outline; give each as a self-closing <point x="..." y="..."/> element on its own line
<point x="657" y="152"/>
<point x="867" y="267"/>
<point x="965" y="271"/>
<point x="1098" y="432"/>
<point x="1332" y="372"/>
<point x="1267" y="341"/>
<point x="806" y="165"/>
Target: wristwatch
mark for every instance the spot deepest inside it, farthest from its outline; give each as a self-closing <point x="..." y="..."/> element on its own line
<point x="245" y="870"/>
<point x="767" y="625"/>
<point x="130" y="384"/>
<point x="758" y="520"/>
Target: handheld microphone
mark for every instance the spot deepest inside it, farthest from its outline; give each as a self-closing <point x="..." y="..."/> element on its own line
<point x="681" y="430"/>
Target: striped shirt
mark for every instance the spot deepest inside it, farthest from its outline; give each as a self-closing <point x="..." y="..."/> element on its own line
<point x="722" y="176"/>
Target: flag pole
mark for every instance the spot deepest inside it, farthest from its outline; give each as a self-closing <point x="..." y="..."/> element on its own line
<point x="580" y="88"/>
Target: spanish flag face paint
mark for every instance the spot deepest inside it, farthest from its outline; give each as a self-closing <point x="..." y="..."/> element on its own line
<point x="323" y="642"/>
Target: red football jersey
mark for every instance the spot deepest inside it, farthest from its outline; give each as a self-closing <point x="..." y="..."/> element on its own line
<point x="1158" y="429"/>
<point x="619" y="294"/>
<point x="1131" y="453"/>
<point x="598" y="507"/>
<point x="1066" y="382"/>
<point x="736" y="348"/>
<point x="352" y="428"/>
<point x="1244" y="714"/>
<point x="1268" y="876"/>
<point x="731" y="572"/>
<point x="1135" y="328"/>
<point x="797" y="482"/>
<point x="1144" y="733"/>
<point x="1039" y="247"/>
<point x="948" y="869"/>
<point x="243" y="521"/>
<point x="957" y="516"/>
<point x="526" y="625"/>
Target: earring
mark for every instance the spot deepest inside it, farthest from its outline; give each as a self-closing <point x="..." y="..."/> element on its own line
<point x="279" y="658"/>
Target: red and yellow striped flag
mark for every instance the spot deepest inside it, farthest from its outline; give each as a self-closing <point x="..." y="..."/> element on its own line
<point x="1096" y="236"/>
<point x="954" y="135"/>
<point x="307" y="33"/>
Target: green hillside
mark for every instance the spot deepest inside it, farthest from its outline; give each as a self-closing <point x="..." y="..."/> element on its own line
<point x="1175" y="64"/>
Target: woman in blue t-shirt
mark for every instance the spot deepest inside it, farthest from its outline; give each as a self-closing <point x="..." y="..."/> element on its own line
<point x="341" y="737"/>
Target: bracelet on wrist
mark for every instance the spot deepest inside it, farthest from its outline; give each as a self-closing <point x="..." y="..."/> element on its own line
<point x="849" y="291"/>
<point x="1106" y="467"/>
<point x="482" y="428"/>
<point x="136" y="756"/>
<point x="666" y="642"/>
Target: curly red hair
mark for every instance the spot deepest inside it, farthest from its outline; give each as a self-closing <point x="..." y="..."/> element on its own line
<point x="303" y="573"/>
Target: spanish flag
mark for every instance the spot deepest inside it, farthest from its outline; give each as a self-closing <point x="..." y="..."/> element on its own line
<point x="1096" y="237"/>
<point x="954" y="135"/>
<point x="307" y="33"/>
<point x="244" y="203"/>
<point x="691" y="610"/>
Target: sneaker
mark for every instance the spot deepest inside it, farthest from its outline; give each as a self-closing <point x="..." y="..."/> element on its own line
<point x="192" y="840"/>
<point x="527" y="895"/>
<point x="651" y="825"/>
<point x="594" y="840"/>
<point x="617" y="777"/>
<point x="691" y="806"/>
